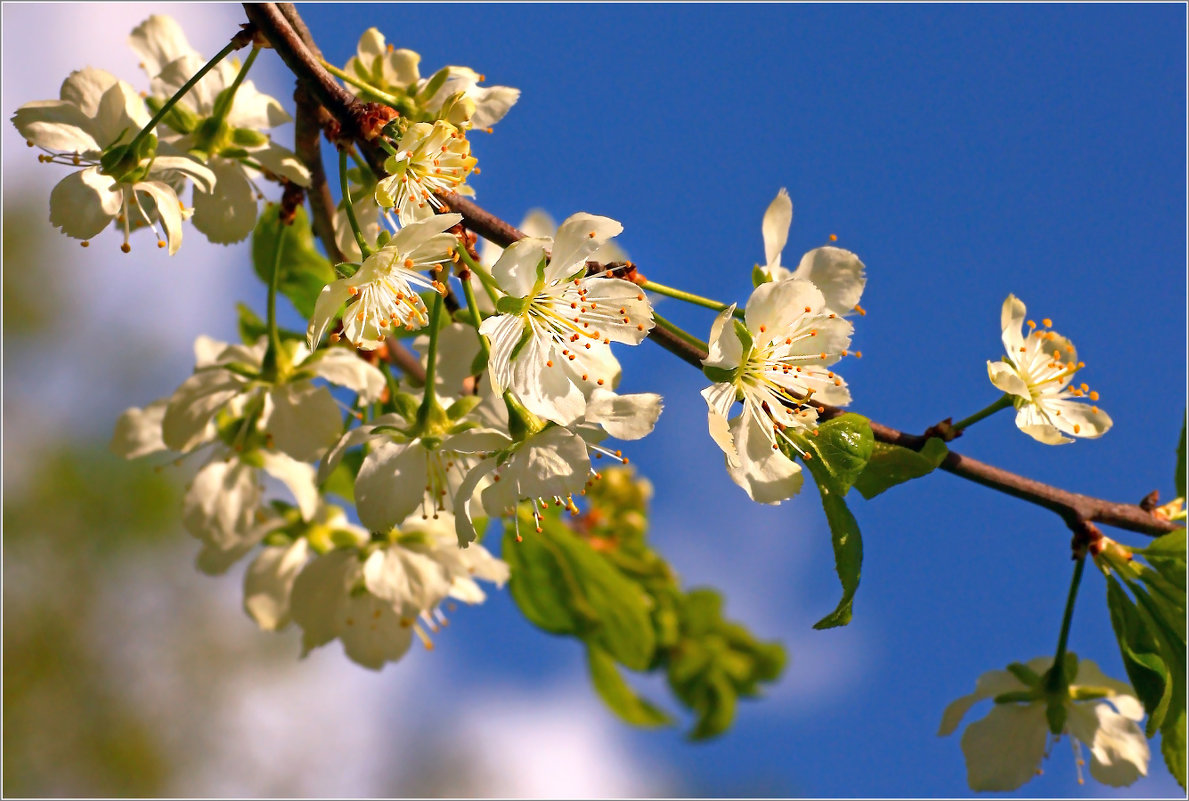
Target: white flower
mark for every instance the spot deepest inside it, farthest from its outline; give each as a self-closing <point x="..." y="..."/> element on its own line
<point x="395" y="70"/>
<point x="429" y="159"/>
<point x="381" y="292"/>
<point x="550" y="464"/>
<point x="234" y="149"/>
<point x="374" y="598"/>
<point x="1004" y="750"/>
<point x="96" y="113"/>
<point x="1037" y="372"/>
<point x="550" y="344"/>
<point x="791" y="340"/>
<point x="836" y="272"/>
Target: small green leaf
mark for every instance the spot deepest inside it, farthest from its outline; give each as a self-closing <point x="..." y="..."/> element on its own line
<point x="1172" y="745"/>
<point x="890" y="465"/>
<point x="616" y="693"/>
<point x="341" y="480"/>
<point x="848" y="546"/>
<point x="1179" y="475"/>
<point x="1167" y="555"/>
<point x="715" y="705"/>
<point x="304" y="271"/>
<point x="719" y="375"/>
<point x="844" y="445"/>
<point x="251" y="327"/>
<point x="462" y="407"/>
<point x="759" y="276"/>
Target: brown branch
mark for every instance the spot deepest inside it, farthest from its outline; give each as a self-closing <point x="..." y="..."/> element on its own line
<point x="1075" y="509"/>
<point x="307" y="141"/>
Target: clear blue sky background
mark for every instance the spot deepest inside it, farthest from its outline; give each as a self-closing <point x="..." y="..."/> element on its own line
<point x="964" y="152"/>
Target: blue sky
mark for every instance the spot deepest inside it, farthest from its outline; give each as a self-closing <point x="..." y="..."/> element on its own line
<point x="964" y="152"/>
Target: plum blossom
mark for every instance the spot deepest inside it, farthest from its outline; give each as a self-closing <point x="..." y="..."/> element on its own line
<point x="1037" y="374"/>
<point x="775" y="363"/>
<point x="838" y="273"/>
<point x="430" y="158"/>
<point x="1004" y="750"/>
<point x="550" y="341"/>
<point x="89" y="129"/>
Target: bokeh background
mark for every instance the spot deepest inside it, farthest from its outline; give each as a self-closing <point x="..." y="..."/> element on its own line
<point x="964" y="152"/>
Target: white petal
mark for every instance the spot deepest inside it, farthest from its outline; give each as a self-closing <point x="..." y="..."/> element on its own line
<point x="1124" y="699"/>
<point x="720" y="398"/>
<point x="516" y="269"/>
<point x="779" y="305"/>
<point x="726" y="349"/>
<point x="627" y="303"/>
<point x="85" y="88"/>
<point x="464" y="525"/>
<point x="330" y="299"/>
<point x="194" y="403"/>
<point x="57" y="125"/>
<point x="1119" y="750"/>
<point x="1076" y="418"/>
<point x="83" y="203"/>
<point x="372" y="633"/>
<point x="409" y="581"/>
<point x="503" y="331"/>
<point x="159" y="40"/>
<point x="268" y="583"/>
<point x="578" y="237"/>
<point x="457" y="348"/>
<point x="624" y="417"/>
<point x="391" y="484"/>
<point x="227" y="214"/>
<point x="220" y="506"/>
<point x="1004" y="749"/>
<point x="303" y="419"/>
<point x="988" y="685"/>
<point x="255" y="110"/>
<point x="343" y="366"/>
<point x="1006" y="379"/>
<point x="168" y="210"/>
<point x="425" y="234"/>
<point x="333" y="456"/>
<point x="552" y="463"/>
<point x="491" y="104"/>
<point x="167" y="168"/>
<point x="765" y="473"/>
<point x="1033" y="422"/>
<point x="777" y="219"/>
<point x="838" y="273"/>
<point x="283" y="162"/>
<point x="121" y="115"/>
<point x="298" y="477"/>
<point x="1011" y="320"/>
<point x="138" y="431"/>
<point x="319" y="593"/>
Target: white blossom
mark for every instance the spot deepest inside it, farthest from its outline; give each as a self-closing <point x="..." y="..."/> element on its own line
<point x="430" y="158"/>
<point x="1004" y="750"/>
<point x="1037" y="373"/>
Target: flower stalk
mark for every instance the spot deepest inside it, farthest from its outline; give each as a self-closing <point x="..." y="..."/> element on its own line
<point x="351" y="218"/>
<point x="688" y="297"/>
<point x="1056" y="678"/>
<point x="1002" y="403"/>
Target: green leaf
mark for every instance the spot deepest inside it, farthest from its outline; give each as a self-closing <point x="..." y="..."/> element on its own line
<point x="341" y="480"/>
<point x="1167" y="555"/>
<point x="564" y="586"/>
<point x="251" y="327"/>
<point x="1172" y="745"/>
<point x="715" y="705"/>
<point x="304" y="271"/>
<point x="890" y="465"/>
<point x="616" y="693"/>
<point x="1179" y="475"/>
<point x="848" y="546"/>
<point x="1141" y="656"/>
<point x="844" y="445"/>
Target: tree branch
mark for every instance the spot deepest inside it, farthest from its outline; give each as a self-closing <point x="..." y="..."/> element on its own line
<point x="1075" y="509"/>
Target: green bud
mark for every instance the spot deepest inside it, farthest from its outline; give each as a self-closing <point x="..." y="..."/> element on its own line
<point x="521" y="422"/>
<point x="384" y="237"/>
<point x="234" y="153"/>
<point x="246" y="137"/>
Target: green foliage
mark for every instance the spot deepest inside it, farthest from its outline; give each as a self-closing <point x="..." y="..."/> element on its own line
<point x="1179" y="474"/>
<point x="844" y="446"/>
<point x="1150" y="628"/>
<point x="890" y="465"/>
<point x="304" y="270"/>
<point x="341" y="480"/>
<point x="251" y="327"/>
<point x="595" y="578"/>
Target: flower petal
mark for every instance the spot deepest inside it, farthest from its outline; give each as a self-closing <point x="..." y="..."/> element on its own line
<point x="391" y="484"/>
<point x="220" y="506"/>
<point x="268" y="583"/>
<point x="726" y="349"/>
<point x="516" y="269"/>
<point x="298" y="478"/>
<point x="577" y="238"/>
<point x="1035" y="423"/>
<point x="838" y="273"/>
<point x="228" y="213"/>
<point x="167" y="209"/>
<point x="1119" y="750"/>
<point x="85" y="88"/>
<point x="304" y="420"/>
<point x="777" y="219"/>
<point x="138" y="431"/>
<point x="624" y="417"/>
<point x="988" y="685"/>
<point x="283" y="162"/>
<point x="779" y="305"/>
<point x="1076" y="418"/>
<point x="624" y="313"/>
<point x="343" y="367"/>
<point x="84" y="202"/>
<point x="194" y="403"/>
<point x="1011" y="320"/>
<point x="326" y="308"/>
<point x="766" y="474"/>
<point x="159" y="40"/>
<point x="1005" y="378"/>
<point x="720" y="398"/>
<point x="1004" y="749"/>
<point x="57" y="125"/>
<point x="319" y="593"/>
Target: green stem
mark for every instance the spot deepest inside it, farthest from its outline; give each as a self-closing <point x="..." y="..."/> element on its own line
<point x="431" y="359"/>
<point x="180" y="93"/>
<point x="469" y="292"/>
<point x="1056" y="676"/>
<point x="223" y="105"/>
<point x="363" y="247"/>
<point x="689" y="297"/>
<point x="489" y="284"/>
<point x="679" y="332"/>
<point x="272" y="355"/>
<point x="1002" y="403"/>
<point x="379" y="94"/>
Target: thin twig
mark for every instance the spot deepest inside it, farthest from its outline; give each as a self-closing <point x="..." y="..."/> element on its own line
<point x="1075" y="509"/>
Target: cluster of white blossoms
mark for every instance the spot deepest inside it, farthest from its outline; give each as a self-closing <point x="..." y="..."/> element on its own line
<point x="134" y="153"/>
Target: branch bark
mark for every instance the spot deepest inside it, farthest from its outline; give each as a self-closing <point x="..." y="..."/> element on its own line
<point x="1075" y="509"/>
